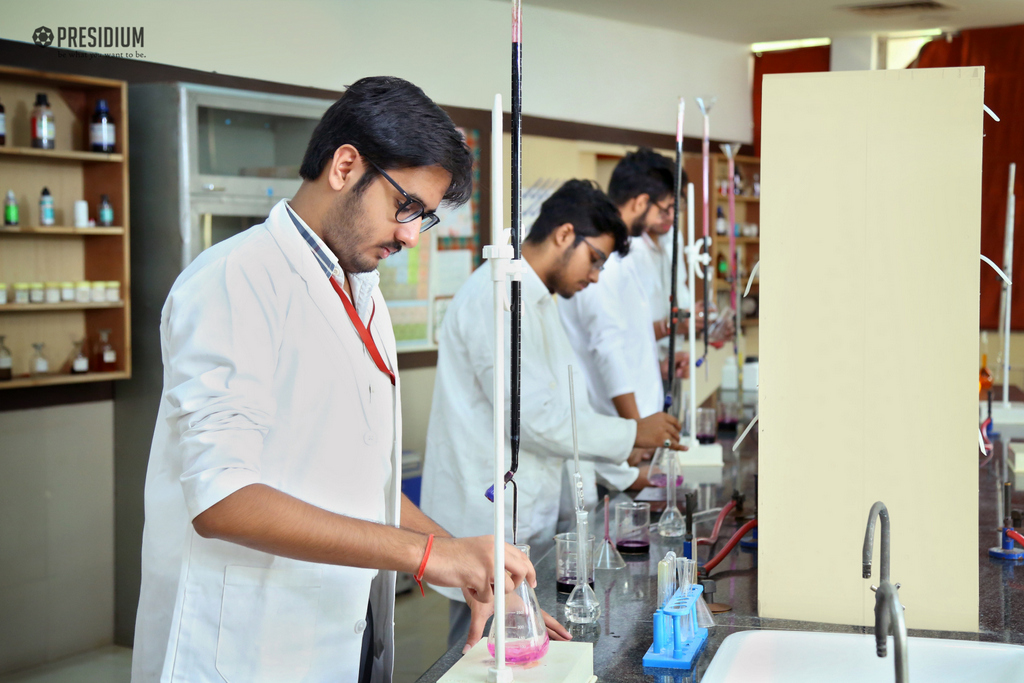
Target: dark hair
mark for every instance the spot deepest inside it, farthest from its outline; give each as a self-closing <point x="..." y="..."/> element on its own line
<point x="643" y="172"/>
<point x="395" y="125"/>
<point x="582" y="203"/>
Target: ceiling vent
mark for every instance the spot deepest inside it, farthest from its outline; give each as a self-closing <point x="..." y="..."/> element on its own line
<point x="888" y="8"/>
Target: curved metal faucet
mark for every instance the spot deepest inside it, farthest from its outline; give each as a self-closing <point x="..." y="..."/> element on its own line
<point x="888" y="609"/>
<point x="889" y="613"/>
<point x="877" y="510"/>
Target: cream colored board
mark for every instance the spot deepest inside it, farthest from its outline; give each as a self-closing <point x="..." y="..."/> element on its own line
<point x="565" y="662"/>
<point x="707" y="382"/>
<point x="1017" y="462"/>
<point x="27" y="176"/>
<point x="57" y="330"/>
<point x="40" y="259"/>
<point x="872" y="192"/>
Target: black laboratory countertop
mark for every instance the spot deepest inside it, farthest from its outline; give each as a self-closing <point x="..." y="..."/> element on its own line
<point x="629" y="595"/>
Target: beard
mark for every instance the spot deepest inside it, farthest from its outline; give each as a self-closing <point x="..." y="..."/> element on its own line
<point x="347" y="234"/>
<point x="638" y="226"/>
<point x="561" y="286"/>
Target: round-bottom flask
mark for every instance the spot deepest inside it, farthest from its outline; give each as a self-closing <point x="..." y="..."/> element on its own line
<point x="526" y="636"/>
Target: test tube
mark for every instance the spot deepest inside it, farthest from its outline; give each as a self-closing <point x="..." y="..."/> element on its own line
<point x="683" y="573"/>
<point x="666" y="580"/>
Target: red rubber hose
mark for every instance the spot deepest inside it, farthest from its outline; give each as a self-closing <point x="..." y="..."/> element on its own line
<point x="1015" y="535"/>
<point x="718" y="524"/>
<point x="713" y="562"/>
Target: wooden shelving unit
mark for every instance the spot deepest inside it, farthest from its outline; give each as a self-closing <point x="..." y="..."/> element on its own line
<point x="57" y="230"/>
<point x="748" y="210"/>
<point x="34" y="253"/>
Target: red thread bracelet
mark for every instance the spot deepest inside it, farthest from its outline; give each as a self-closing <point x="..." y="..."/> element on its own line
<point x="418" y="577"/>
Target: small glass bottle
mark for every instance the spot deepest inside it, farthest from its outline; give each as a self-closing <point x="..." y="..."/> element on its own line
<point x="46" y="207"/>
<point x="106" y="356"/>
<point x="39" y="365"/>
<point x="106" y="211"/>
<point x="79" y="361"/>
<point x="6" y="362"/>
<point x="10" y="209"/>
<point x="3" y="126"/>
<point x="36" y="293"/>
<point x="43" y="128"/>
<point x="101" y="132"/>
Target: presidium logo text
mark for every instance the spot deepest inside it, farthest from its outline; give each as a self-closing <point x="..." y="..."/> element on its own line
<point x="90" y="36"/>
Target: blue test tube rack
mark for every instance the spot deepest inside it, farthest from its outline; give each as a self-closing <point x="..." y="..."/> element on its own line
<point x="677" y="638"/>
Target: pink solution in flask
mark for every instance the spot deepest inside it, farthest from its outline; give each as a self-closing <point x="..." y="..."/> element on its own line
<point x="526" y="636"/>
<point x="523" y="651"/>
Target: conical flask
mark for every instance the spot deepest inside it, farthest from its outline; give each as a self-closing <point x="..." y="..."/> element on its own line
<point x="526" y="636"/>
<point x="671" y="524"/>
<point x="608" y="557"/>
<point x="657" y="473"/>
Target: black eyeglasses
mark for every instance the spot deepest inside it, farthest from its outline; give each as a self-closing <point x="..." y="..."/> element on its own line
<point x="411" y="209"/>
<point x="600" y="258"/>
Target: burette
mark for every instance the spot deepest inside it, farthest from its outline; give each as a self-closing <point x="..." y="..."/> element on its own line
<point x="673" y="301"/>
<point x="516" y="305"/>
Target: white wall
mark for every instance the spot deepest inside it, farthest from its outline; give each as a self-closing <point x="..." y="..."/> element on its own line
<point x="576" y="67"/>
<point x="56" y="532"/>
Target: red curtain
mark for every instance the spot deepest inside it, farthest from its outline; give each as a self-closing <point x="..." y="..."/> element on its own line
<point x="801" y="60"/>
<point x="1001" y="52"/>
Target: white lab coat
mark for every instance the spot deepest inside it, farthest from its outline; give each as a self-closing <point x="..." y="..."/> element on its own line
<point x="266" y="381"/>
<point x="459" y="461"/>
<point x="653" y="264"/>
<point x="611" y="329"/>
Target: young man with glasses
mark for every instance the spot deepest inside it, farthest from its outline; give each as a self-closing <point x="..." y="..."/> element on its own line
<point x="568" y="245"/>
<point x="611" y="325"/>
<point x="274" y="518"/>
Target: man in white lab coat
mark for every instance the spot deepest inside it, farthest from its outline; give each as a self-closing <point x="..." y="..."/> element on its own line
<point x="274" y="518"/>
<point x="611" y="325"/>
<point x="567" y="247"/>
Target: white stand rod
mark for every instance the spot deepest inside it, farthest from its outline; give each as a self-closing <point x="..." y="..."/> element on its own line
<point x="499" y="270"/>
<point x="692" y="252"/>
<point x="1008" y="289"/>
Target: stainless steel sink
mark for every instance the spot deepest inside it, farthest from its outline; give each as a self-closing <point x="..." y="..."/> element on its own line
<point x="814" y="657"/>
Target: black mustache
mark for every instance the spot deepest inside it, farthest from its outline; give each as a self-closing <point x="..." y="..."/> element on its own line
<point x="393" y="247"/>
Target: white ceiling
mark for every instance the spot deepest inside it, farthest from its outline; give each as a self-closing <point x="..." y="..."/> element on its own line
<point x="751" y="21"/>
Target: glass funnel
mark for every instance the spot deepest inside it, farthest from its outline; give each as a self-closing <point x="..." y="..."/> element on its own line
<point x="526" y="636"/>
<point x="582" y="607"/>
<point x="608" y="557"/>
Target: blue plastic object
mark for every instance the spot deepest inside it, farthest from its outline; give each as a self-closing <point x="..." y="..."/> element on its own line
<point x="1006" y="551"/>
<point x="677" y="639"/>
<point x="751" y="544"/>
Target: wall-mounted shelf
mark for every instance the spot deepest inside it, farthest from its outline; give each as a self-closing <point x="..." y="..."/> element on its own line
<point x="57" y="230"/>
<point x="49" y="380"/>
<point x="31" y="252"/>
<point x="60" y="155"/>
<point x="32" y="308"/>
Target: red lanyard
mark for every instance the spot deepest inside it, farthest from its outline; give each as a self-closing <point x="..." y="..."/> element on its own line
<point x="364" y="333"/>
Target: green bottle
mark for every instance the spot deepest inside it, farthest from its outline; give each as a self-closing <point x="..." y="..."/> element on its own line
<point x="10" y="209"/>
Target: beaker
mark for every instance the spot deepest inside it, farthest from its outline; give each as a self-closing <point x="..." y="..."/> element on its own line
<point x="632" y="527"/>
<point x="707" y="425"/>
<point x="731" y="413"/>
<point x="526" y="636"/>
<point x="565" y="562"/>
